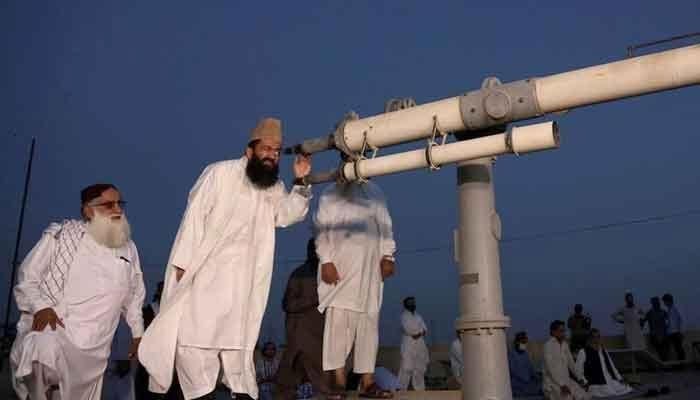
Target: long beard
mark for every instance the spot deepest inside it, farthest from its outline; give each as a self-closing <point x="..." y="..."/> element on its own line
<point x="112" y="233"/>
<point x="263" y="176"/>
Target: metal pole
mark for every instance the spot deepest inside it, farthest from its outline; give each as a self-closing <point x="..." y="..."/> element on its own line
<point x="15" y="261"/>
<point x="481" y="322"/>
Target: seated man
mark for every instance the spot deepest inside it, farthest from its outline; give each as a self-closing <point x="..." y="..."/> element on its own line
<point x="266" y="371"/>
<point x="523" y="379"/>
<point x="557" y="384"/>
<point x="595" y="364"/>
<point x="71" y="290"/>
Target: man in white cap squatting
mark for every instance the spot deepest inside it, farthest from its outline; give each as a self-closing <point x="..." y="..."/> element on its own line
<point x="71" y="290"/>
<point x="218" y="277"/>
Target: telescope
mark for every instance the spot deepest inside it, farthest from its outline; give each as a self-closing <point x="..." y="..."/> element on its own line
<point x="482" y="121"/>
<point x="495" y="104"/>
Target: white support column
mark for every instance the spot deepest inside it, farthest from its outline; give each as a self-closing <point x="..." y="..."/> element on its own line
<point x="481" y="321"/>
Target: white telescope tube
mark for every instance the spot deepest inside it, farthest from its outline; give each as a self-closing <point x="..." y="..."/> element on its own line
<point x="404" y="125"/>
<point x="518" y="140"/>
<point x="617" y="80"/>
<point x="521" y="100"/>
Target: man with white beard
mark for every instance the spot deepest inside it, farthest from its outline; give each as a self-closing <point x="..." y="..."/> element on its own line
<point x="71" y="290"/>
<point x="414" y="352"/>
<point x="355" y="246"/>
<point x="218" y="277"/>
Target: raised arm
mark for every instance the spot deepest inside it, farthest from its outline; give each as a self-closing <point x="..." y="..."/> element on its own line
<point x="292" y="207"/>
<point x="295" y="205"/>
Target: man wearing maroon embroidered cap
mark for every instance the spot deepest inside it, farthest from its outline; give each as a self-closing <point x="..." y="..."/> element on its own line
<point x="218" y="278"/>
<point x="71" y="290"/>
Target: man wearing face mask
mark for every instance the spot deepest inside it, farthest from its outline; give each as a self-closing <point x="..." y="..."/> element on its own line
<point x="414" y="352"/>
<point x="524" y="381"/>
<point x="218" y="277"/>
<point x="72" y="288"/>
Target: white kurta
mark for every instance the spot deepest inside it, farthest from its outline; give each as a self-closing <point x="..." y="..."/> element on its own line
<point x="414" y="352"/>
<point x="225" y="244"/>
<point x="630" y="317"/>
<point x="558" y="362"/>
<point x="612" y="387"/>
<point x="102" y="283"/>
<point x="354" y="232"/>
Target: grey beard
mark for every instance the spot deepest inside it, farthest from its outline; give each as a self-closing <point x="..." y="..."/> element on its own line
<point x="109" y="233"/>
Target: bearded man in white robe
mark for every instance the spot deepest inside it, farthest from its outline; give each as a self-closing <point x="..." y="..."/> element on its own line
<point x="559" y="365"/>
<point x="414" y="352"/>
<point x="71" y="290"/>
<point x="355" y="246"/>
<point x="218" y="277"/>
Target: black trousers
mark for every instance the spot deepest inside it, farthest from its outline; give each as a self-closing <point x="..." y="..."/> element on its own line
<point x="676" y="340"/>
<point x="660" y="344"/>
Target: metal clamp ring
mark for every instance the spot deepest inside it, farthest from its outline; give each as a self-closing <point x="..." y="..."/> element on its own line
<point x="429" y="156"/>
<point x="356" y="169"/>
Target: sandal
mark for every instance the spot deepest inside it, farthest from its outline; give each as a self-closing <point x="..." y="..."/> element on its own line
<point x="375" y="392"/>
<point x="336" y="393"/>
<point x="336" y="396"/>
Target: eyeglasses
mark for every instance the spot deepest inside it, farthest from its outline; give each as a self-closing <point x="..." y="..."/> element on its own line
<point x="110" y="205"/>
<point x="265" y="149"/>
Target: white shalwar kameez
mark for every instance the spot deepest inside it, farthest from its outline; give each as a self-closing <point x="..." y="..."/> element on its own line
<point x="102" y="283"/>
<point x="630" y="317"/>
<point x="558" y="362"/>
<point x="414" y="352"/>
<point x="211" y="318"/>
<point x="612" y="387"/>
<point x="353" y="232"/>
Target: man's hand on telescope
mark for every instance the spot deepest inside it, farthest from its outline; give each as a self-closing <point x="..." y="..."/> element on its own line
<point x="329" y="274"/>
<point x="302" y="165"/>
<point x="387" y="267"/>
